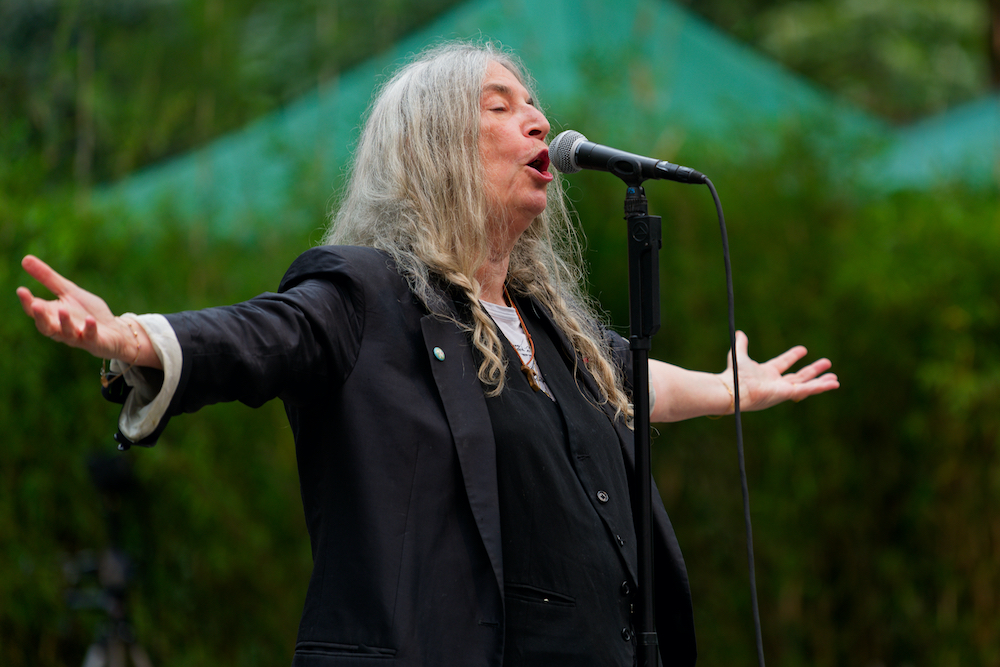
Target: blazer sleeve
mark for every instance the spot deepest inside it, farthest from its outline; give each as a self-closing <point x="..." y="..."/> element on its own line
<point x="297" y="344"/>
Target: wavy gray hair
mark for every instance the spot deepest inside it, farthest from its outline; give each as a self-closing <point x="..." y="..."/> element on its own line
<point x="416" y="191"/>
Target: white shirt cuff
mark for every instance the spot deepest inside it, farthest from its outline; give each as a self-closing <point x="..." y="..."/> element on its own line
<point x="149" y="399"/>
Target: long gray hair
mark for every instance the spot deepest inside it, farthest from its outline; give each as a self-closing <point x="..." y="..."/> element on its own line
<point x="416" y="191"/>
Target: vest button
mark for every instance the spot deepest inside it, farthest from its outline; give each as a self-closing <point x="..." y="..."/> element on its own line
<point x="625" y="588"/>
<point x="620" y="540"/>
<point x="603" y="496"/>
<point x="626" y="634"/>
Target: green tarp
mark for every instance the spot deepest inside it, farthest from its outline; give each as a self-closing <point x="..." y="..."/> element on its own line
<point x="645" y="74"/>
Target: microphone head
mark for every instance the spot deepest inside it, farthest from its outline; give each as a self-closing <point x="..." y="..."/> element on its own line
<point x="562" y="151"/>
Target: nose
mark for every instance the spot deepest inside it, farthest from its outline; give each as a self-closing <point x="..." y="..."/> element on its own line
<point x="538" y="124"/>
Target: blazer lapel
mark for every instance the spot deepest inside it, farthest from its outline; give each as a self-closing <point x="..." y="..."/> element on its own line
<point x="455" y="373"/>
<point x="624" y="434"/>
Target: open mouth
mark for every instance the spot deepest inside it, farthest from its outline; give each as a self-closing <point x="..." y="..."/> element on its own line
<point x="540" y="163"/>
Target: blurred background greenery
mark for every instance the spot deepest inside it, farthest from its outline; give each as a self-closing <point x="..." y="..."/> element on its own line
<point x="875" y="508"/>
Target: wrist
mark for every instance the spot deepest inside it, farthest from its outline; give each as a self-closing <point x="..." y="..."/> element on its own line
<point x="128" y="339"/>
<point x="130" y="345"/>
<point x="140" y="346"/>
<point x="724" y="379"/>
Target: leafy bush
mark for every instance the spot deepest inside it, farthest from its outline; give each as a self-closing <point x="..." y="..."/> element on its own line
<point x="213" y="524"/>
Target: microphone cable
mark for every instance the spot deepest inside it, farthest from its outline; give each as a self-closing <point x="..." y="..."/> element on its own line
<point x="739" y="422"/>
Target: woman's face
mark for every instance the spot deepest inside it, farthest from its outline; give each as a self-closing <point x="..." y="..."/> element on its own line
<point x="512" y="148"/>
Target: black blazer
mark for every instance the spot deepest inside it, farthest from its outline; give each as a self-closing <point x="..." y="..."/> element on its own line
<point x="396" y="462"/>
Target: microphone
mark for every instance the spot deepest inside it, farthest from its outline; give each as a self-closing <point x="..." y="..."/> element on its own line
<point x="570" y="152"/>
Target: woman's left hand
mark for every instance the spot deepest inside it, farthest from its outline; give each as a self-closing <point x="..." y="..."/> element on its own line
<point x="769" y="383"/>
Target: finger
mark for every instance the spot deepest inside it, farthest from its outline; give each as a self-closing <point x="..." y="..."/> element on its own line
<point x="741" y="349"/>
<point x="89" y="332"/>
<point x="26" y="298"/>
<point x="809" y="372"/>
<point x="826" y="382"/>
<point x="46" y="275"/>
<point x="742" y="344"/>
<point x="38" y="312"/>
<point x="66" y="328"/>
<point x="36" y="309"/>
<point x="46" y="317"/>
<point x="787" y="359"/>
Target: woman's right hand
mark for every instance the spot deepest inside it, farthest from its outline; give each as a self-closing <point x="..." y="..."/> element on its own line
<point x="81" y="319"/>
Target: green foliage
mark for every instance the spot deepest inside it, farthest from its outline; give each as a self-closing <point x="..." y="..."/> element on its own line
<point x="901" y="59"/>
<point x="190" y="70"/>
<point x="214" y="526"/>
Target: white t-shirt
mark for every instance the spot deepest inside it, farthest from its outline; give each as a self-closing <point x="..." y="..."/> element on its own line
<point x="510" y="326"/>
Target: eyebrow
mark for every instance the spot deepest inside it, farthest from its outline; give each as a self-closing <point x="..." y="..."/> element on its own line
<point x="503" y="89"/>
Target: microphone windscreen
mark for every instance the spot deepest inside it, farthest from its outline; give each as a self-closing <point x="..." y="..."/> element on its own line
<point x="561" y="151"/>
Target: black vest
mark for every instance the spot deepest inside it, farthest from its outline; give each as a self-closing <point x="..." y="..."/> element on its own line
<point x="565" y="519"/>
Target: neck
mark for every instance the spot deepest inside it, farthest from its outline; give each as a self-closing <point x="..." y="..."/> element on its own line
<point x="492" y="276"/>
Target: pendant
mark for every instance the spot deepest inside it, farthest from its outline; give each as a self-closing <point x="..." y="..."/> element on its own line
<point x="530" y="376"/>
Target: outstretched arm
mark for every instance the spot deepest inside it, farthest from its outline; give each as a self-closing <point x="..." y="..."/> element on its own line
<point x="81" y="319"/>
<point x="683" y="394"/>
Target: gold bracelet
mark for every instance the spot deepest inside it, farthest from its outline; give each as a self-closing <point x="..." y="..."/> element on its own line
<point x="732" y="401"/>
<point x="105" y="382"/>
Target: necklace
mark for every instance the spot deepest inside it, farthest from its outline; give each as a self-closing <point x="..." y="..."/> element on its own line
<point x="529" y="374"/>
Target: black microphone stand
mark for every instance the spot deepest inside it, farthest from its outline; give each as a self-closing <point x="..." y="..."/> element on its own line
<point x="644" y="242"/>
